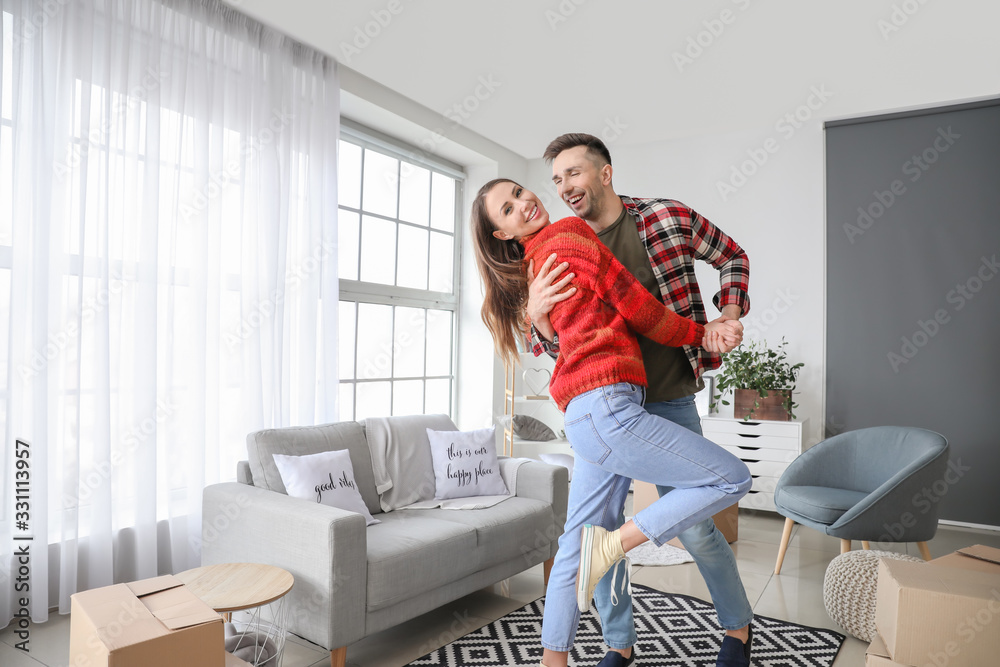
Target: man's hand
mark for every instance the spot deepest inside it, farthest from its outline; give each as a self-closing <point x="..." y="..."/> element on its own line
<point x="722" y="335"/>
<point x="544" y="293"/>
<point x="733" y="313"/>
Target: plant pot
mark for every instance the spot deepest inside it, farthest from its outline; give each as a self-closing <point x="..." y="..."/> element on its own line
<point x="771" y="408"/>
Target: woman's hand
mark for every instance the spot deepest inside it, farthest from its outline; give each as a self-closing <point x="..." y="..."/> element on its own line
<point x="722" y="335"/>
<point x="544" y="293"/>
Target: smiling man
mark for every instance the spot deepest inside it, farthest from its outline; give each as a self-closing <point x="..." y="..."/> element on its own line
<point x="658" y="240"/>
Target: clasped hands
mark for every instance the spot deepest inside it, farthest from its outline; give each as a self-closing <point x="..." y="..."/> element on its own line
<point x="546" y="289"/>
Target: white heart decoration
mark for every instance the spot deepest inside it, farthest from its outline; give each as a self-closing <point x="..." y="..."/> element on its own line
<point x="537" y="380"/>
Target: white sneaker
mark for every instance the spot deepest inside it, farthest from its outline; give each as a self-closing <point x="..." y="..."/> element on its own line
<point x="599" y="550"/>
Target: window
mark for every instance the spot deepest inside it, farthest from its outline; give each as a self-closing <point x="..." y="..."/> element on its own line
<point x="398" y="250"/>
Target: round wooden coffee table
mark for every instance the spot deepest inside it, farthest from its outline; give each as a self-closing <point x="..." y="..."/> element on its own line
<point x="229" y="587"/>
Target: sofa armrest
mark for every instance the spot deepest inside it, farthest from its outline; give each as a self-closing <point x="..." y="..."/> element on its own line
<point x="325" y="549"/>
<point x="547" y="483"/>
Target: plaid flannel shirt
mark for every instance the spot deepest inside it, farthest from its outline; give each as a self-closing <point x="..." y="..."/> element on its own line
<point x="674" y="236"/>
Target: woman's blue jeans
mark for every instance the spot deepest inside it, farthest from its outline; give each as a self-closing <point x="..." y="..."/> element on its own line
<point x="712" y="554"/>
<point x="616" y="440"/>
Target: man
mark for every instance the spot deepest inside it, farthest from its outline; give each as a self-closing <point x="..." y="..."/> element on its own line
<point x="658" y="241"/>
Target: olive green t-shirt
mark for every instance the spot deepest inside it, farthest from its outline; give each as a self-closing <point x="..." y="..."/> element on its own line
<point x="668" y="370"/>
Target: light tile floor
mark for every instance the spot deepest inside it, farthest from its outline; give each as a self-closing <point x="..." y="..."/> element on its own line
<point x="795" y="595"/>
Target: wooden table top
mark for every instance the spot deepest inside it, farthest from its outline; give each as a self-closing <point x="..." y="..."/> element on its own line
<point x="234" y="586"/>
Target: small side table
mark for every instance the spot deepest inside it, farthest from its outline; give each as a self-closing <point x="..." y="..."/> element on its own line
<point x="230" y="587"/>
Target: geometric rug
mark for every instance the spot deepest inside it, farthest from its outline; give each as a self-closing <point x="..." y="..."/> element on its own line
<point x="673" y="630"/>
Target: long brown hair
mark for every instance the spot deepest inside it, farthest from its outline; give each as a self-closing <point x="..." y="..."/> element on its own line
<point x="501" y="267"/>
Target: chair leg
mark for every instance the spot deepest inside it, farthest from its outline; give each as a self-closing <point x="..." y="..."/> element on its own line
<point x="338" y="657"/>
<point x="865" y="545"/>
<point x="845" y="546"/>
<point x="546" y="570"/>
<point x="786" y="535"/>
<point x="925" y="551"/>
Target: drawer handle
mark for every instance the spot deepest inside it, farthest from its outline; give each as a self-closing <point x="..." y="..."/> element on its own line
<point x="750" y="460"/>
<point x="753" y="449"/>
<point x="752" y="491"/>
<point x="754" y="476"/>
<point x="749" y="435"/>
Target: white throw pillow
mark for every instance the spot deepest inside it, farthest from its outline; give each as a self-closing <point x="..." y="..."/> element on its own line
<point x="326" y="478"/>
<point x="465" y="463"/>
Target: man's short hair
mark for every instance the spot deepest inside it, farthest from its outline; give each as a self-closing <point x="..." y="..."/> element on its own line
<point x="598" y="151"/>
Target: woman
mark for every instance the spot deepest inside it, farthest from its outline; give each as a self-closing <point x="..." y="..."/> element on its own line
<point x="599" y="381"/>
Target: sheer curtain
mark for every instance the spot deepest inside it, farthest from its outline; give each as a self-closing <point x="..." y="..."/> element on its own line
<point x="168" y="278"/>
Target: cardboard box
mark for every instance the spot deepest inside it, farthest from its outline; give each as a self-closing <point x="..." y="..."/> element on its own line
<point x="878" y="656"/>
<point x="150" y="623"/>
<point x="727" y="521"/>
<point x="933" y="614"/>
<point x="980" y="558"/>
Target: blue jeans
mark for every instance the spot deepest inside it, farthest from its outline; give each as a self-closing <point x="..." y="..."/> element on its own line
<point x="712" y="554"/>
<point x="615" y="440"/>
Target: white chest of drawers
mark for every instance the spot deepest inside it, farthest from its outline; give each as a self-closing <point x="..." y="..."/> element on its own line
<point x="767" y="447"/>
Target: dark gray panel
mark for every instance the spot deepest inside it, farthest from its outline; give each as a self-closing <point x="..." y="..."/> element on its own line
<point x="913" y="290"/>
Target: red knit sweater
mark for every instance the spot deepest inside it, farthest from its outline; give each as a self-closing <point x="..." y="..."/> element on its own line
<point x="597" y="345"/>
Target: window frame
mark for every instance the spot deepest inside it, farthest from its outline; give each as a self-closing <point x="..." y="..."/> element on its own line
<point x="358" y="291"/>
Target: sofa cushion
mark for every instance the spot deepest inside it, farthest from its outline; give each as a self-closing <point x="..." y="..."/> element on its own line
<point x="410" y="554"/>
<point x="504" y="531"/>
<point x="821" y="504"/>
<point x="465" y="464"/>
<point x="326" y="478"/>
<point x="303" y="440"/>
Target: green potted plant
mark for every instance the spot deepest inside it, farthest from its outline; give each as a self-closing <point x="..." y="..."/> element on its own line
<point x="761" y="379"/>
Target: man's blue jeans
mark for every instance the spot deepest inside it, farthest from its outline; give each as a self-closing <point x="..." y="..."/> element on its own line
<point x="615" y="440"/>
<point x="703" y="541"/>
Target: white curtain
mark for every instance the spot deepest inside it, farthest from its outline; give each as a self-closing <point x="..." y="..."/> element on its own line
<point x="167" y="273"/>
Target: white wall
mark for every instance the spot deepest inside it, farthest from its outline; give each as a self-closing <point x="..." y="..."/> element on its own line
<point x="777" y="216"/>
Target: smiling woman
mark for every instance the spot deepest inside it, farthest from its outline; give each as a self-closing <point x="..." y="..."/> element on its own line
<point x="599" y="382"/>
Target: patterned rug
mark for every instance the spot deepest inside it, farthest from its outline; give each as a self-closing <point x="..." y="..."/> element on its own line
<point x="674" y="630"/>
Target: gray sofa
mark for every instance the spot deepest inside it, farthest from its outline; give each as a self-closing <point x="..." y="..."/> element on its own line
<point x="352" y="581"/>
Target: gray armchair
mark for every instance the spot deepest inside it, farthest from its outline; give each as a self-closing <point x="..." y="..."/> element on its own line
<point x="865" y="485"/>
